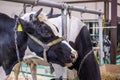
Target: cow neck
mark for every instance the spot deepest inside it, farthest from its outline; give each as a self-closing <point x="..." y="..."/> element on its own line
<point x="44" y="45"/>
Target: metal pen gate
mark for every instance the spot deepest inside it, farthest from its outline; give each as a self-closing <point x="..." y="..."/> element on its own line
<point x="64" y="8"/>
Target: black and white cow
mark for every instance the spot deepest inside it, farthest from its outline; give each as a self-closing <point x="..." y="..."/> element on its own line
<point x="79" y="38"/>
<point x="8" y="55"/>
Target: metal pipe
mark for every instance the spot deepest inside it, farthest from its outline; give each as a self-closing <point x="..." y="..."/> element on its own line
<point x="101" y="53"/>
<point x="56" y="5"/>
<point x="64" y="23"/>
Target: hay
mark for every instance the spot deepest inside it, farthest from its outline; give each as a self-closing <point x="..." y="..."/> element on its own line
<point x="110" y="72"/>
<point x="110" y="76"/>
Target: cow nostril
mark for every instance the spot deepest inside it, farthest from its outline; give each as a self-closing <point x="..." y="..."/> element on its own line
<point x="72" y="56"/>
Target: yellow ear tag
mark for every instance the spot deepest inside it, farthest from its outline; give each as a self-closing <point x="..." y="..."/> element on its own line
<point x="19" y="28"/>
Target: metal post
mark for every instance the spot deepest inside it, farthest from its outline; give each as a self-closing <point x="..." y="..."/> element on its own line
<point x="106" y="16"/>
<point x="101" y="53"/>
<point x="64" y="22"/>
<point x="24" y="8"/>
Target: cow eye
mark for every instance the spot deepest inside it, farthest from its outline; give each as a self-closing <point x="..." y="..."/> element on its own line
<point x="44" y="30"/>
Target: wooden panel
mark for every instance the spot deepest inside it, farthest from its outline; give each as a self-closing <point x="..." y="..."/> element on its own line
<point x="113" y="50"/>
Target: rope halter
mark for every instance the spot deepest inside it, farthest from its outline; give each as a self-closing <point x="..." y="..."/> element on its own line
<point x="45" y="46"/>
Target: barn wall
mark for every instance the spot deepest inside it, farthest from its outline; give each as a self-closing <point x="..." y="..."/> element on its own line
<point x="10" y="8"/>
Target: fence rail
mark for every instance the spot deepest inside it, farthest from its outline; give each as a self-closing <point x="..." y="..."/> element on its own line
<point x="57" y="5"/>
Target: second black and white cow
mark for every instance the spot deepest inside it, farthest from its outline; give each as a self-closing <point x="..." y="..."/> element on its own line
<point x="8" y="55"/>
<point x="79" y="37"/>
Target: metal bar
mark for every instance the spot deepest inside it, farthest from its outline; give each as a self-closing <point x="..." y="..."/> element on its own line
<point x="88" y="1"/>
<point x="64" y="23"/>
<point x="101" y="53"/>
<point x="56" y="5"/>
<point x="106" y="15"/>
<point x="24" y="8"/>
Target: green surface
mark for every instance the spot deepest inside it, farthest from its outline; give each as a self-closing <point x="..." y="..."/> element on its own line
<point x="118" y="60"/>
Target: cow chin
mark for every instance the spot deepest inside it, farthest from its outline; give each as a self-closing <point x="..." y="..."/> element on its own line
<point x="68" y="64"/>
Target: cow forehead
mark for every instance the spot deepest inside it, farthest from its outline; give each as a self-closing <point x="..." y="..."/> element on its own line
<point x="42" y="17"/>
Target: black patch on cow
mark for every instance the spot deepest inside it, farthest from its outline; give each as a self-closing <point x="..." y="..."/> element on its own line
<point x="90" y="67"/>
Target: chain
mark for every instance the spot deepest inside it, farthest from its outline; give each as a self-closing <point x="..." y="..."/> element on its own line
<point x="16" y="47"/>
<point x="15" y="38"/>
<point x="83" y="60"/>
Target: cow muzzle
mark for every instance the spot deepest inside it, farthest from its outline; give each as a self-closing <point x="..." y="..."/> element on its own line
<point x="73" y="58"/>
<point x="74" y="55"/>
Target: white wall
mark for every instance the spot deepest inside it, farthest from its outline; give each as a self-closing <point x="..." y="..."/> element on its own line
<point x="10" y="8"/>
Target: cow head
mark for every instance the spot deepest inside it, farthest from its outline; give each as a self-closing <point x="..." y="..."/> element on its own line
<point x="61" y="53"/>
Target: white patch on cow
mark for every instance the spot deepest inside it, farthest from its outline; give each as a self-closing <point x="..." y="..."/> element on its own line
<point x="74" y="26"/>
<point x="42" y="17"/>
<point x="65" y="42"/>
<point x="27" y="16"/>
<point x="3" y="75"/>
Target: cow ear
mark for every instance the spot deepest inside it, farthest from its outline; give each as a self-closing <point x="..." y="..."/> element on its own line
<point x="50" y="13"/>
<point x="26" y="26"/>
<point x="33" y="17"/>
<point x="15" y="17"/>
